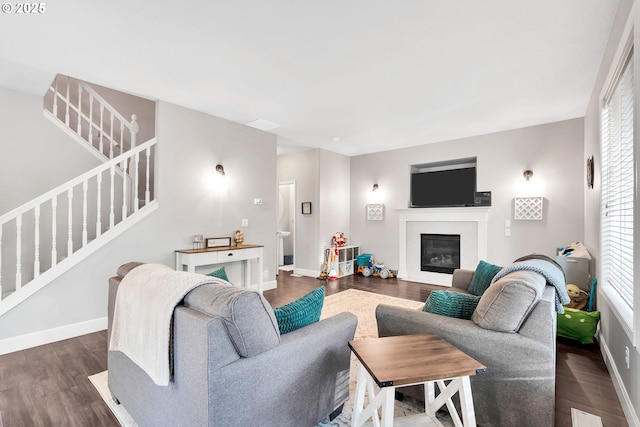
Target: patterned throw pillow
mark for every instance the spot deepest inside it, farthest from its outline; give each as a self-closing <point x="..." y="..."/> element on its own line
<point x="482" y="277"/>
<point x="451" y="304"/>
<point x="301" y="312"/>
<point x="220" y="274"/>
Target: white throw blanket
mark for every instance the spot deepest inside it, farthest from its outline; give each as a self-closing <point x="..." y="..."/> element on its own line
<point x="142" y="318"/>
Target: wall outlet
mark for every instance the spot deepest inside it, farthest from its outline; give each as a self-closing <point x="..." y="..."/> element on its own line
<point x="257" y="201"/>
<point x="245" y="222"/>
<point x="626" y="356"/>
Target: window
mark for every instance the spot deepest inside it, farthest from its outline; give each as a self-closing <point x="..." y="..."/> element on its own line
<point x="618" y="164"/>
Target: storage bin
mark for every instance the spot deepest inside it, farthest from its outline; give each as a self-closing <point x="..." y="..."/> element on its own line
<point x="363" y="259"/>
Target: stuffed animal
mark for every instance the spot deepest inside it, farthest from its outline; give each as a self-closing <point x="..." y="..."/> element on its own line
<point x="579" y="298"/>
<point x="338" y="240"/>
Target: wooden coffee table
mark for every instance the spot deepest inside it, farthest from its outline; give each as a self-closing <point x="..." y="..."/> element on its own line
<point x="410" y="360"/>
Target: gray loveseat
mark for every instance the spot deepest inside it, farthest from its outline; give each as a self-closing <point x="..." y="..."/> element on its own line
<point x="518" y="388"/>
<point x="296" y="379"/>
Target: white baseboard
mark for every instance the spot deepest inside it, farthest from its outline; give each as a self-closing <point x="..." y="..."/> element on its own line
<point x="272" y="284"/>
<point x="21" y="342"/>
<point x="305" y="272"/>
<point x="625" y="400"/>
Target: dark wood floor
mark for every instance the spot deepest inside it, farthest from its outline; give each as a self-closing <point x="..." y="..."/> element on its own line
<point x="48" y="385"/>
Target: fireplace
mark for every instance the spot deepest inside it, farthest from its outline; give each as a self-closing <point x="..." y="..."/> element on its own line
<point x="439" y="253"/>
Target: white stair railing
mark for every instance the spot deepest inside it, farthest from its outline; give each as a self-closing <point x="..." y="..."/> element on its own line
<point x="30" y="250"/>
<point x="81" y="111"/>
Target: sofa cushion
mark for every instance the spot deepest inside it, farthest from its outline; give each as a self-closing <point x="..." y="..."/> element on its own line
<point x="220" y="273"/>
<point x="504" y="306"/>
<point x="451" y="304"/>
<point x="301" y="312"/>
<point x="482" y="277"/>
<point x="248" y="317"/>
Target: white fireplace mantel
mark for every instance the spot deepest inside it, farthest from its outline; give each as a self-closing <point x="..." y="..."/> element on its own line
<point x="477" y="215"/>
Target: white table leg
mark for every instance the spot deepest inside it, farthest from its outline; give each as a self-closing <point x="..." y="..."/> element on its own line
<point x="358" y="402"/>
<point x="466" y="403"/>
<point x="261" y="270"/>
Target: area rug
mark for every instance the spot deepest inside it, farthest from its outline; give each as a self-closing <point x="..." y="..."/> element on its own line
<point x="360" y="303"/>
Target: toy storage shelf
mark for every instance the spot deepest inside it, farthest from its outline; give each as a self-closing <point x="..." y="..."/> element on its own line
<point x="346" y="259"/>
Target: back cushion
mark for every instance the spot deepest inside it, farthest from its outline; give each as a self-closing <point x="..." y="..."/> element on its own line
<point x="246" y="314"/>
<point x="504" y="306"/>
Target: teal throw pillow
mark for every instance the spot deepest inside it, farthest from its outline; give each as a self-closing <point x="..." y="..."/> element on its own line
<point x="220" y="274"/>
<point x="301" y="312"/>
<point x="482" y="277"/>
<point x="451" y="304"/>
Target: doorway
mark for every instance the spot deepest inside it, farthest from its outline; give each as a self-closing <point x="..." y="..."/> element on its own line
<point x="286" y="225"/>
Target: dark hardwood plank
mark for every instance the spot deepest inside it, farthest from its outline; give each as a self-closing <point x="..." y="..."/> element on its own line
<point x="48" y="385"/>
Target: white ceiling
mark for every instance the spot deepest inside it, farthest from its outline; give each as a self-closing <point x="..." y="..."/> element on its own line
<point x="379" y="74"/>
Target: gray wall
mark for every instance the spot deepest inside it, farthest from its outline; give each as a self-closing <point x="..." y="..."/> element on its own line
<point x="190" y="144"/>
<point x="554" y="153"/>
<point x="613" y="338"/>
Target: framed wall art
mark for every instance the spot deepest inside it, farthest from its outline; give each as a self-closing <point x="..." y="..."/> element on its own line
<point x="218" y="242"/>
<point x="306" y="208"/>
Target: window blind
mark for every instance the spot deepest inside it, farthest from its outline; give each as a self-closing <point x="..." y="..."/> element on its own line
<point x="618" y="184"/>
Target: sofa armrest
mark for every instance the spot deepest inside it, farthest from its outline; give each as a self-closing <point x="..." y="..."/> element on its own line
<point x="461" y="278"/>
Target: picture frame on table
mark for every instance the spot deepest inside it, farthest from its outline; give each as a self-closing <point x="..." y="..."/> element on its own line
<point x="306" y="208"/>
<point x="218" y="242"/>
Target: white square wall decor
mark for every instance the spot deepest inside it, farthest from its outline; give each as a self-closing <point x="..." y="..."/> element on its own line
<point x="375" y="211"/>
<point x="528" y="208"/>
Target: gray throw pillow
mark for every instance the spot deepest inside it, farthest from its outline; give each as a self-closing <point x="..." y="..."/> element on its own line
<point x="505" y="305"/>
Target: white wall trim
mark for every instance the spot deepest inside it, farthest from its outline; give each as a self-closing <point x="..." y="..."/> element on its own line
<point x="478" y="215"/>
<point x="306" y="272"/>
<point x="34" y="339"/>
<point x="618" y="384"/>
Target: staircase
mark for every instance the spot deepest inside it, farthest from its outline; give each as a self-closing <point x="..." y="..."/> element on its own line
<point x="50" y="234"/>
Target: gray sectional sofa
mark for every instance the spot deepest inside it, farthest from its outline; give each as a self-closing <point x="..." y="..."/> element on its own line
<point x="512" y="332"/>
<point x="296" y="379"/>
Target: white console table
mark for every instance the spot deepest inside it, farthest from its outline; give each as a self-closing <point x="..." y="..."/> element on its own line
<point x="192" y="258"/>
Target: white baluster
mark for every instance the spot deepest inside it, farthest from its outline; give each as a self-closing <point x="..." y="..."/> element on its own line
<point x="121" y="137"/>
<point x="147" y="193"/>
<point x="70" y="223"/>
<point x="55" y="97"/>
<point x="0" y="262"/>
<point x="99" y="206"/>
<point x="112" y="216"/>
<point x="85" y="187"/>
<point x="79" y="109"/>
<point x="66" y="117"/>
<point x="134" y="130"/>
<point x="136" y="201"/>
<point x="124" y="189"/>
<point x="111" y="136"/>
<point x="91" y="120"/>
<point x="36" y="258"/>
<point x="54" y="231"/>
<point x="18" y="252"/>
<point x="101" y="131"/>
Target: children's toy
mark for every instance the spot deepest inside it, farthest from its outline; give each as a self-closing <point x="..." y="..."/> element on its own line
<point x="338" y="240"/>
<point x="579" y="298"/>
<point x="333" y="263"/>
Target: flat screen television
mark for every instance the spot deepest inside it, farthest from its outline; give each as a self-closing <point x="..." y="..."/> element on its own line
<point x="442" y="188"/>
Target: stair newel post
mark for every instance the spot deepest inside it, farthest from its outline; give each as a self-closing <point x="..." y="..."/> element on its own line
<point x="147" y="193"/>
<point x="134" y="130"/>
<point x="85" y="187"/>
<point x="36" y="255"/>
<point x="18" y="252"/>
<point x="99" y="205"/>
<point x="70" y="222"/>
<point x="112" y="215"/>
<point x="80" y="109"/>
<point x="124" y="188"/>
<point x="66" y="116"/>
<point x="54" y="231"/>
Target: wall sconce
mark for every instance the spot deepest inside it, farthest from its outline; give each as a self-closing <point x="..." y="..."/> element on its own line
<point x="527" y="174"/>
<point x="220" y="170"/>
<point x="375" y="187"/>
